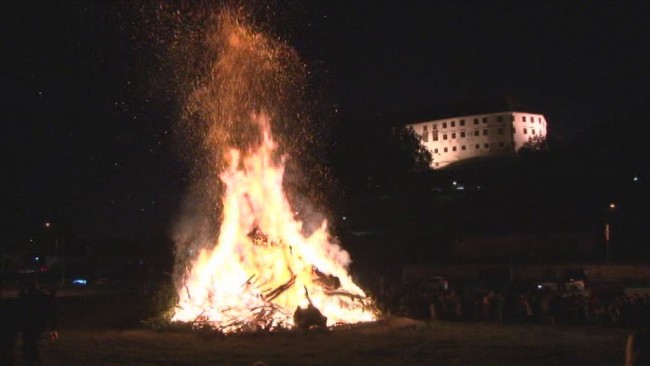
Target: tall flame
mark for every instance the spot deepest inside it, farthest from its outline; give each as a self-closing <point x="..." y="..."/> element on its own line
<point x="263" y="266"/>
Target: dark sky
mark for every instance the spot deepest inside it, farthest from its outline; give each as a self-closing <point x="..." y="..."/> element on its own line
<point x="85" y="140"/>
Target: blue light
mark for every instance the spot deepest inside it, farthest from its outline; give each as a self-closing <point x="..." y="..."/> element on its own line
<point x="79" y="281"/>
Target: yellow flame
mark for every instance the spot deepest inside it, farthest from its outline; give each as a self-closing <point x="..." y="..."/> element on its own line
<point x="259" y="281"/>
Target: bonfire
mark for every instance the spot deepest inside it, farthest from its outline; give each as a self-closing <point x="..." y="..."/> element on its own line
<point x="264" y="271"/>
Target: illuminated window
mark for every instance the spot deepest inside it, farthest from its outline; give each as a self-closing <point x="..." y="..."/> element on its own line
<point x="462" y="122"/>
<point x="484" y="119"/>
<point x="462" y="134"/>
<point x="453" y="123"/>
<point x="475" y="121"/>
<point x="485" y="132"/>
<point x="500" y="131"/>
<point x="453" y="135"/>
<point x="476" y="133"/>
<point x="444" y="136"/>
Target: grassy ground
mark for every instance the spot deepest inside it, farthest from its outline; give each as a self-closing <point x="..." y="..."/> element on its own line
<point x="102" y="330"/>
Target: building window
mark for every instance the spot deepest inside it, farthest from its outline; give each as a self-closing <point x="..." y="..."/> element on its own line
<point x="462" y="134"/>
<point x="434" y="126"/>
<point x="476" y="133"/>
<point x="435" y="135"/>
<point x="444" y="125"/>
<point x="475" y="121"/>
<point x="462" y="147"/>
<point x="486" y="146"/>
<point x="500" y="130"/>
<point x="478" y="146"/>
<point x="424" y="127"/>
<point x="437" y="164"/>
<point x="512" y="118"/>
<point x="425" y="136"/>
<point x="513" y="130"/>
<point x="454" y="148"/>
<point x="462" y="122"/>
<point x="445" y="149"/>
<point x="444" y="136"/>
<point x="453" y="123"/>
<point x="532" y="131"/>
<point x="484" y="119"/>
<point x="485" y="132"/>
<point x="525" y="131"/>
<point x="453" y="135"/>
<point x="435" y="151"/>
<point x="539" y="120"/>
<point x="523" y="118"/>
<point x="499" y="118"/>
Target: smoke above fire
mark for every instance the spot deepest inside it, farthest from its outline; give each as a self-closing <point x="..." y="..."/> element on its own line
<point x="247" y="258"/>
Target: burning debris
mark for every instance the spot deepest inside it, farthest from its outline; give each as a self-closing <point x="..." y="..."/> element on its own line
<point x="263" y="272"/>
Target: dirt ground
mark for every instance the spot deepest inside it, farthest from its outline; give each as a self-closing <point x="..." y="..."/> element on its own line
<point x="439" y="344"/>
<point x="101" y="330"/>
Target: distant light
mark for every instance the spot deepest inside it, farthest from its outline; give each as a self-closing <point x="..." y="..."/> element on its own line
<point x="636" y="178"/>
<point x="48" y="224"/>
<point x="539" y="286"/>
<point x="454" y="183"/>
<point x="345" y="218"/>
<point x="478" y="187"/>
<point x="612" y="205"/>
<point x="79" y="282"/>
<point x="460" y="187"/>
<point x="37" y="258"/>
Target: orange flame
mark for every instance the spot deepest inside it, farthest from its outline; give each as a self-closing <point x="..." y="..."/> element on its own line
<point x="263" y="267"/>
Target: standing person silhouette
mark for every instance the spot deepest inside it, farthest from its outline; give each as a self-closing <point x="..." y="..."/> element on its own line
<point x="9" y="328"/>
<point x="37" y="313"/>
<point x="637" y="349"/>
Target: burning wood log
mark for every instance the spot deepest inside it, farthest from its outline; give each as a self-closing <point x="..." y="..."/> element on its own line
<point x="258" y="237"/>
<point x="269" y="296"/>
<point x="327" y="281"/>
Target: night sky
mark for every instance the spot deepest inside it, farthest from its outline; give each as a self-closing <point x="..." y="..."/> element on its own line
<point x="88" y="136"/>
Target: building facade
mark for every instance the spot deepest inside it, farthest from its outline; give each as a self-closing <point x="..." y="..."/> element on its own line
<point x="455" y="139"/>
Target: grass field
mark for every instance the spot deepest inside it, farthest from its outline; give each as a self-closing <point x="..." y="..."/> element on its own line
<point x="103" y="330"/>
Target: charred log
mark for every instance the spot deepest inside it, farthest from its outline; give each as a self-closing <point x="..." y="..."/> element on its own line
<point x="309" y="318"/>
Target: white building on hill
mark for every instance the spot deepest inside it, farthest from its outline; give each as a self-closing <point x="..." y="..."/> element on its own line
<point x="481" y="135"/>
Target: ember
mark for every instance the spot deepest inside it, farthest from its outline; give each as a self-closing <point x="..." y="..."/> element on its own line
<point x="263" y="272"/>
